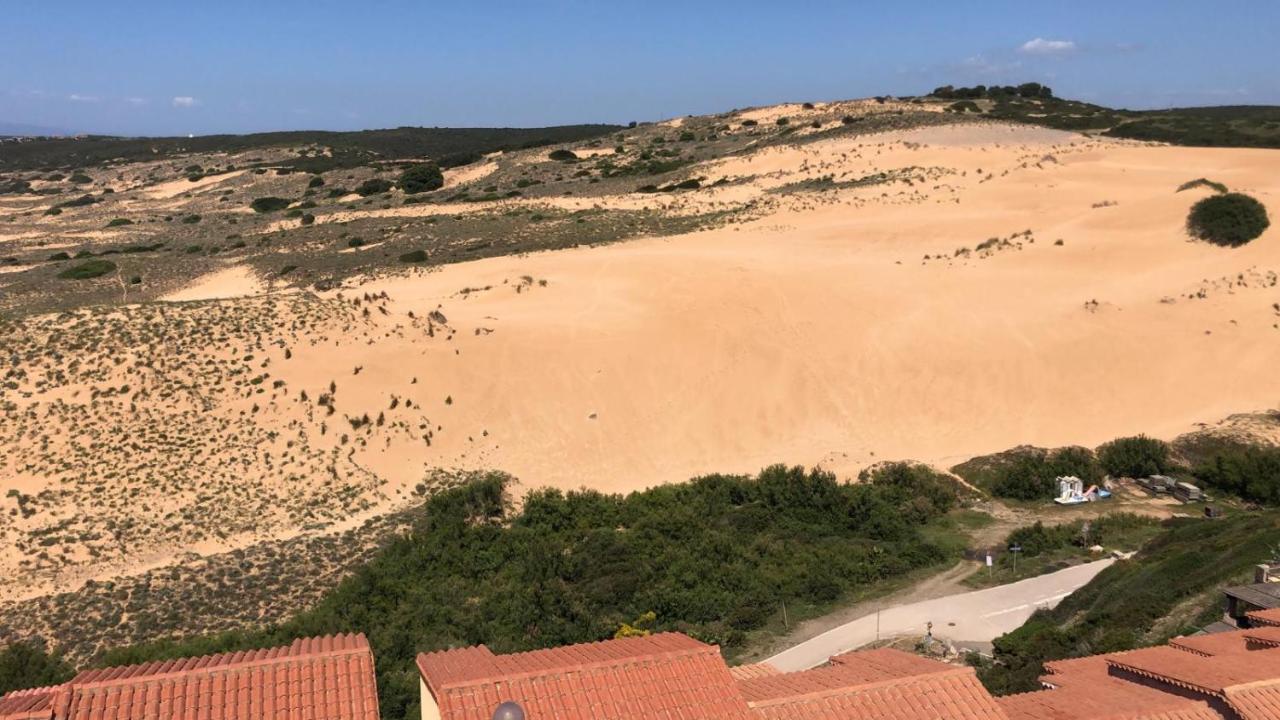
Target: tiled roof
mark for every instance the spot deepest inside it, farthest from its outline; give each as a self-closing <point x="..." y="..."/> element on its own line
<point x="1223" y="643"/>
<point x="1077" y="671"/>
<point x="746" y="672"/>
<point x="326" y="678"/>
<point x="1257" y="702"/>
<point x="25" y="704"/>
<point x="1264" y="636"/>
<point x="661" y="676"/>
<point x="1199" y="673"/>
<point x="1100" y="697"/>
<point x="1264" y="617"/>
<point x="954" y="694"/>
<point x="846" y="671"/>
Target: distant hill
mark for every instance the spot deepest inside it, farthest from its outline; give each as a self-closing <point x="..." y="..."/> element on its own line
<point x="448" y="146"/>
<point x="8" y="129"/>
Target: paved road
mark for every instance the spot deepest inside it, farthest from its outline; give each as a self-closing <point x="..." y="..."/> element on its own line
<point x="981" y="615"/>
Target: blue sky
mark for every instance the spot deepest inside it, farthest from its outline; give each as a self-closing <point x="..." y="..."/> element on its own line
<point x="164" y="67"/>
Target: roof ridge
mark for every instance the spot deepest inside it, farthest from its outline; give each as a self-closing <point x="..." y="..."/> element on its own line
<point x="578" y="667"/>
<point x="209" y="665"/>
<point x="955" y="672"/>
<point x="1165" y="678"/>
<point x="1252" y="685"/>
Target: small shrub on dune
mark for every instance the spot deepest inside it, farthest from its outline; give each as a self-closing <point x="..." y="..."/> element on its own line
<point x="1230" y="219"/>
<point x="119" y="221"/>
<point x="269" y="204"/>
<point x="414" y="256"/>
<point x="562" y="155"/>
<point x="316" y="182"/>
<point x="423" y="177"/>
<point x="373" y="186"/>
<point x="88" y="270"/>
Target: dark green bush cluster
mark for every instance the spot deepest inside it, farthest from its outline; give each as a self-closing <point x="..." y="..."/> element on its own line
<point x="1135" y="457"/>
<point x="1230" y="219"/>
<point x="1025" y="90"/>
<point x="918" y="492"/>
<point x="1251" y="473"/>
<point x="88" y="270"/>
<point x="423" y="177"/>
<point x="562" y="155"/>
<point x="268" y="204"/>
<point x="373" y="186"/>
<point x="117" y="222"/>
<point x="1038" y="539"/>
<point x="414" y="256"/>
<point x="1033" y="474"/>
<point x="964" y="106"/>
<point x="27" y="665"/>
<point x="715" y="557"/>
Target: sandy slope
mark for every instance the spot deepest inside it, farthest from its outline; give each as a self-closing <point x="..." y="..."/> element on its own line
<point x="821" y="336"/>
<point x="840" y="327"/>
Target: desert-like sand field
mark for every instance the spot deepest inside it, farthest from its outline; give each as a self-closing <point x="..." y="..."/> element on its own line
<point x="997" y="285"/>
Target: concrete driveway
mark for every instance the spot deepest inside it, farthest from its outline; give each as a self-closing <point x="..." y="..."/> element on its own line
<point x="978" y="616"/>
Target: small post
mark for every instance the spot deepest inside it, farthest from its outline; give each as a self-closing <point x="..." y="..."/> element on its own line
<point x="785" y="624"/>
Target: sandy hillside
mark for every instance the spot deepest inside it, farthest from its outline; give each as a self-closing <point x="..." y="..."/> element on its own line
<point x="929" y="294"/>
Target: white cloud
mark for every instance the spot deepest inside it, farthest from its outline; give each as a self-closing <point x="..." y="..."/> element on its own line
<point x="136" y="101"/>
<point x="1040" y="46"/>
<point x="185" y="101"/>
<point x="74" y="97"/>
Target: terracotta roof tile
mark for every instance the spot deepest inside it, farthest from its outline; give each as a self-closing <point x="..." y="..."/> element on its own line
<point x="1223" y="643"/>
<point x="954" y="694"/>
<point x="1264" y="617"/>
<point x="746" y="672"/>
<point x="1100" y="697"/>
<point x="326" y="678"/>
<point x="1256" y="702"/>
<point x="1265" y="636"/>
<point x="668" y="675"/>
<point x="1199" y="673"/>
<point x="25" y="704"/>
<point x="846" y="672"/>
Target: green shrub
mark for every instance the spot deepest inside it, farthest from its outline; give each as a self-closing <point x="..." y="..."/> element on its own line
<point x="414" y="256"/>
<point x="1251" y="473"/>
<point x="80" y="179"/>
<point x="562" y="155"/>
<point x="87" y="270"/>
<point x="782" y="121"/>
<point x="27" y="665"/>
<point x="1033" y="474"/>
<point x="423" y="177"/>
<point x="373" y="186"/>
<point x="59" y="256"/>
<point x="191" y="219"/>
<point x="268" y="204"/>
<point x="316" y="182"/>
<point x="1202" y="182"/>
<point x="964" y="106"/>
<point x="119" y="221"/>
<point x="1135" y="457"/>
<point x="749" y="123"/>
<point x="1230" y="219"/>
<point x="308" y="218"/>
<point x="355" y="242"/>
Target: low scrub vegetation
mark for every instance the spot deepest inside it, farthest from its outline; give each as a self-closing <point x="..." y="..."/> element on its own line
<point x="269" y="204"/>
<point x="423" y="177"/>
<point x="88" y="270"/>
<point x="715" y="557"/>
<point x="1171" y="587"/>
<point x="1230" y="219"/>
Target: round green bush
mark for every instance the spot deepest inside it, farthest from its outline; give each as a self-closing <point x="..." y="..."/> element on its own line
<point x="415" y="256"/>
<point x="1230" y="219"/>
<point x="423" y="177"/>
<point x="88" y="269"/>
<point x="373" y="186"/>
<point x="562" y="155"/>
<point x="269" y="204"/>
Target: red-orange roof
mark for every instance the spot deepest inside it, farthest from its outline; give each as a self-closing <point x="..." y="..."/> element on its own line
<point x="1223" y="643"/>
<point x="668" y="675"/>
<point x="954" y="694"/>
<point x="326" y="678"/>
<point x="27" y="704"/>
<point x="1199" y="673"/>
<point x="746" y="672"/>
<point x="1255" y="702"/>
<point x="1265" y="636"/>
<point x="1100" y="697"/>
<point x="847" y="671"/>
<point x="1264" y="617"/>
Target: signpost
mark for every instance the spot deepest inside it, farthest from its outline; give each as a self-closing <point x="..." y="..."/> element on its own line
<point x="1015" y="549"/>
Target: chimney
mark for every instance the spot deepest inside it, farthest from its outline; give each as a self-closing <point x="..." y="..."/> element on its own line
<point x="1262" y="573"/>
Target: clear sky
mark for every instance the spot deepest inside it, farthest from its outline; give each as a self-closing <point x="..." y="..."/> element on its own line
<point x="185" y="66"/>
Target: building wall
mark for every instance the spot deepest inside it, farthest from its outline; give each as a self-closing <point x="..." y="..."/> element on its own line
<point x="430" y="710"/>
